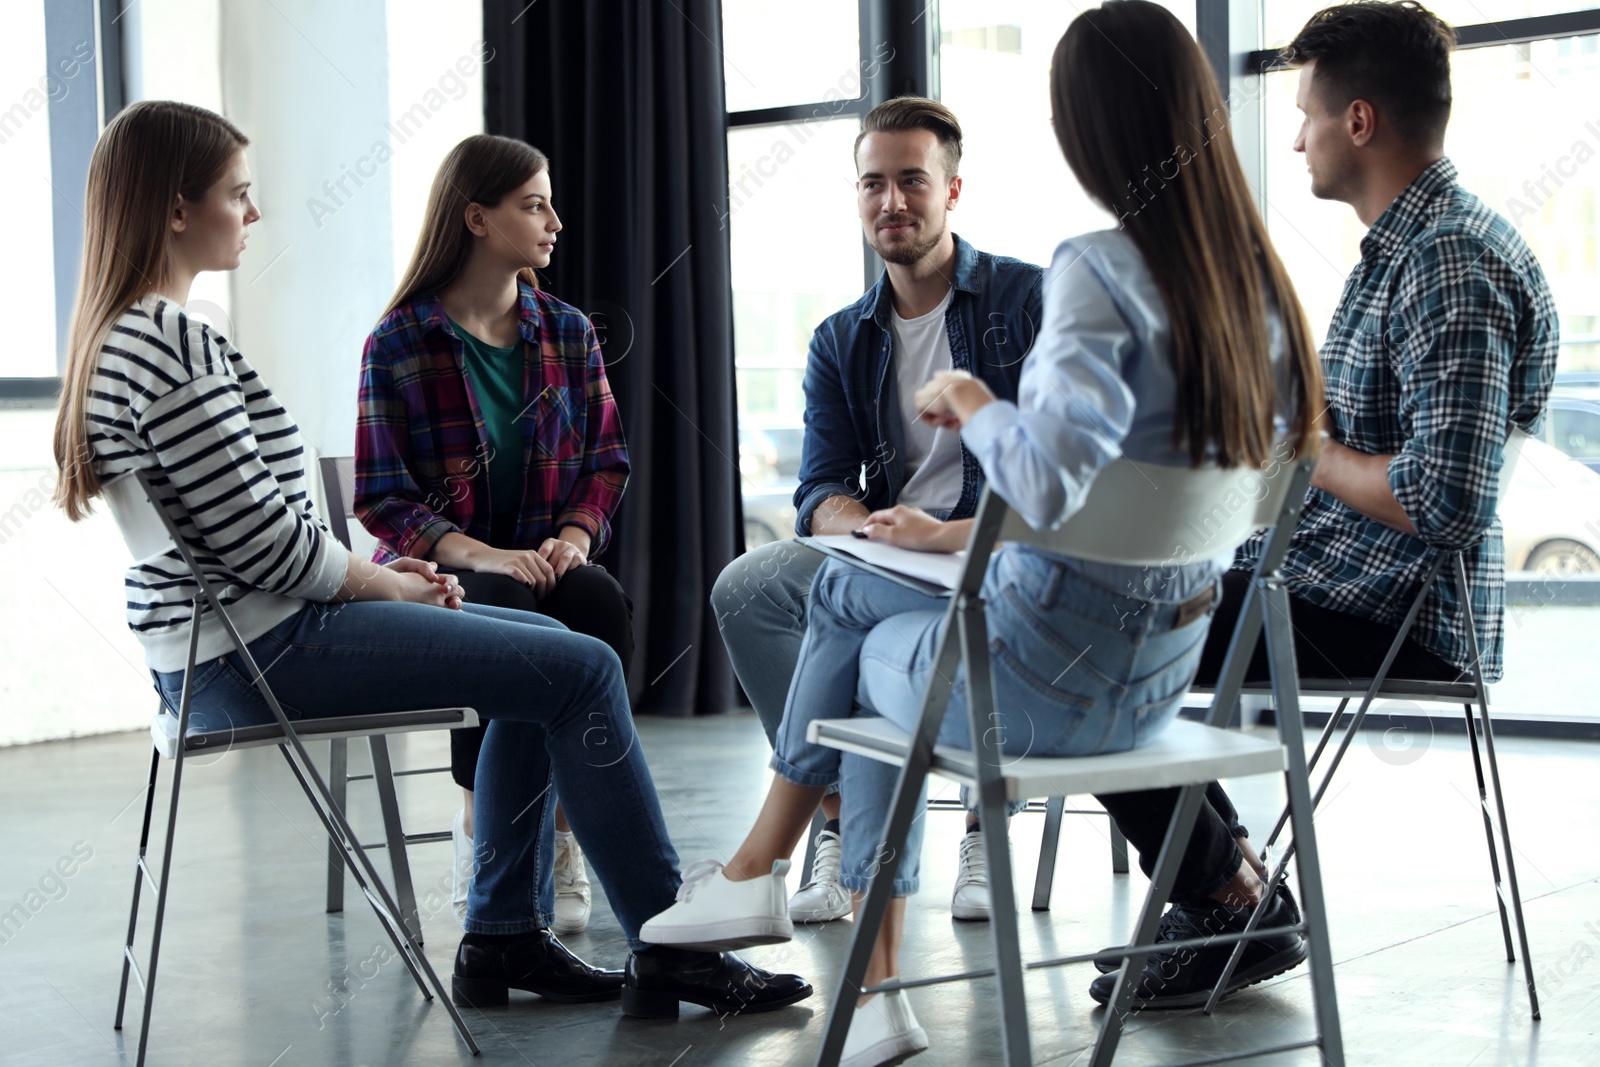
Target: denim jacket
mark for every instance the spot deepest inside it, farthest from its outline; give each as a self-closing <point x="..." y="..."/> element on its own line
<point x="854" y="442"/>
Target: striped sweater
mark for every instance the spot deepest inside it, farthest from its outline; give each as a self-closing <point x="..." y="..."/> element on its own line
<point x="172" y="395"/>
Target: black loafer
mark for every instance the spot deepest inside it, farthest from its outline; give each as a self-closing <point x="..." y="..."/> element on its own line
<point x="1291" y="916"/>
<point x="1184" y="978"/>
<point x="659" y="977"/>
<point x="487" y="968"/>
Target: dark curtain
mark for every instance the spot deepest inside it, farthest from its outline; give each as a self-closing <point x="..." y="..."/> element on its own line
<point x="626" y="98"/>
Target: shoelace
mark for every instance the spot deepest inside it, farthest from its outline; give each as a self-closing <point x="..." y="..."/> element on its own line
<point x="571" y="875"/>
<point x="974" y="864"/>
<point x="827" y="862"/>
<point x="696" y="875"/>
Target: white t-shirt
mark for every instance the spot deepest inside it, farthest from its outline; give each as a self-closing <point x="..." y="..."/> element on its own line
<point x="932" y="456"/>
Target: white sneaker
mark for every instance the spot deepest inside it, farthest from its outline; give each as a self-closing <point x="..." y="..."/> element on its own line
<point x="460" y="868"/>
<point x="572" y="887"/>
<point x="883" y="1030"/>
<point x="714" y="914"/>
<point x="822" y="899"/>
<point x="971" y="898"/>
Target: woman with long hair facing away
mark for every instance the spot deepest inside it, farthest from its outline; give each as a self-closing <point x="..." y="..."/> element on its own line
<point x="488" y="442"/>
<point x="149" y="388"/>
<point x="1174" y="339"/>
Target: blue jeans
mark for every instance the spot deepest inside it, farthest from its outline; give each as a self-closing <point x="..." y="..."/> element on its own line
<point x="558" y="715"/>
<point x="1078" y="668"/>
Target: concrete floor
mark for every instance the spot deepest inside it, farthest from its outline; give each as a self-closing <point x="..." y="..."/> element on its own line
<point x="254" y="973"/>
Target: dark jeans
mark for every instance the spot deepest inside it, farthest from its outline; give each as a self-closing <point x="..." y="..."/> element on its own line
<point x="587" y="600"/>
<point x="1327" y="644"/>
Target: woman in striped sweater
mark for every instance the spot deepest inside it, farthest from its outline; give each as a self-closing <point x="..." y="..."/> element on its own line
<point x="149" y="388"/>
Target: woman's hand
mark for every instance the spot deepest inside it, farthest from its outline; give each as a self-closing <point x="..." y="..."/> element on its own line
<point x="950" y="398"/>
<point x="525" y="565"/>
<point x="562" y="555"/>
<point x="915" y="529"/>
<point x="419" y="582"/>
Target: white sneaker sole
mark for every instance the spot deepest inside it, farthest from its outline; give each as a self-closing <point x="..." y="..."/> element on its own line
<point x="969" y="913"/>
<point x="817" y="914"/>
<point x="726" y="936"/>
<point x="572" y="924"/>
<point x="896" y="1048"/>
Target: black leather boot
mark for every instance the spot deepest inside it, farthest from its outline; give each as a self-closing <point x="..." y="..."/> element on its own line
<point x="488" y="967"/>
<point x="658" y="978"/>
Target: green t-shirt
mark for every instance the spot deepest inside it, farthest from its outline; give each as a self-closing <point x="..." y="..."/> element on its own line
<point x="496" y="375"/>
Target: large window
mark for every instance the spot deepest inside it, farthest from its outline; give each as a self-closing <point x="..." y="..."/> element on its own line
<point x="1018" y="197"/>
<point x="1523" y="148"/>
<point x="1285" y="17"/>
<point x="29" y="80"/>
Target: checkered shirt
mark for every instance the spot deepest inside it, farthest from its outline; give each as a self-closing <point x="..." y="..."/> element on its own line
<point x="1444" y="339"/>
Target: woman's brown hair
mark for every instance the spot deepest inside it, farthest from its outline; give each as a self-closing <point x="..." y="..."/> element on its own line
<point x="1144" y="128"/>
<point x="482" y="169"/>
<point x="149" y="155"/>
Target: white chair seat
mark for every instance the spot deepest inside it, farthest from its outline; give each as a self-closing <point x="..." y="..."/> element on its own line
<point x="1185" y="753"/>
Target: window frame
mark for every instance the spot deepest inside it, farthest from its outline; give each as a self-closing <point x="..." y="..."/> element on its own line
<point x="75" y="124"/>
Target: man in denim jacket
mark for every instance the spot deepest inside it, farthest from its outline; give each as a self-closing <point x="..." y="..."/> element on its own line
<point x="940" y="305"/>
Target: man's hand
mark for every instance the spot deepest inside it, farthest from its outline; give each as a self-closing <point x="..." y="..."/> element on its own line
<point x="1361" y="481"/>
<point x="419" y="582"/>
<point x="915" y="529"/>
<point x="950" y="398"/>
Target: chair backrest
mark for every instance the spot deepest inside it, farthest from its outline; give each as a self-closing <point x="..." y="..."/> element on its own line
<point x="1143" y="514"/>
<point x="1510" y="461"/>
<point x="144" y="527"/>
<point x="339" y="490"/>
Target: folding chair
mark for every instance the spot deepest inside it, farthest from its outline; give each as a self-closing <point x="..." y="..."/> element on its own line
<point x="338" y="481"/>
<point x="1134" y="514"/>
<point x="1473" y="695"/>
<point x="150" y="532"/>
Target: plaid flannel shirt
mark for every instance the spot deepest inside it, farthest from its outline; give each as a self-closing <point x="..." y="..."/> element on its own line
<point x="422" y="454"/>
<point x="1444" y="339"/>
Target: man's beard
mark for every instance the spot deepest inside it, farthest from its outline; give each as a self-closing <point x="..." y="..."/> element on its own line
<point x="905" y="252"/>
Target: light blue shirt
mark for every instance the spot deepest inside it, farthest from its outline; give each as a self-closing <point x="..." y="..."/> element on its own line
<point x="1098" y="384"/>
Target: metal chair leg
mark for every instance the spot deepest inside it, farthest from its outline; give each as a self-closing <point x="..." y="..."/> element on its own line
<point x="339" y="787"/>
<point x="906" y="806"/>
<point x="987" y="744"/>
<point x="1162" y="878"/>
<point x="138" y="884"/>
<point x="1119" y="849"/>
<point x="1049" y="844"/>
<point x="395" y="835"/>
<point x="1463" y="591"/>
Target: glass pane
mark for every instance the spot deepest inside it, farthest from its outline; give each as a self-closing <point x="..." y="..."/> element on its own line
<point x="1522" y="147"/>
<point x="1284" y="18"/>
<point x="436" y="58"/>
<point x="994" y="70"/>
<point x="791" y="188"/>
<point x="28" y="82"/>
<point x="779" y="54"/>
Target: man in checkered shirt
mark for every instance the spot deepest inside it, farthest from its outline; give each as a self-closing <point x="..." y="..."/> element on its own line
<point x="1444" y="340"/>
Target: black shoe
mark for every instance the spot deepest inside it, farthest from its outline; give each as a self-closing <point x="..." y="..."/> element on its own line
<point x="1291" y="917"/>
<point x="1184" y="978"/>
<point x="659" y="977"/>
<point x="488" y="967"/>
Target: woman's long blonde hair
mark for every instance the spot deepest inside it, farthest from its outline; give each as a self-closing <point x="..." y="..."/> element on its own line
<point x="482" y="170"/>
<point x="149" y="155"/>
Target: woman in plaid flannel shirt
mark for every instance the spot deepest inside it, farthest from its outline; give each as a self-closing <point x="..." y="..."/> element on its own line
<point x="488" y="440"/>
